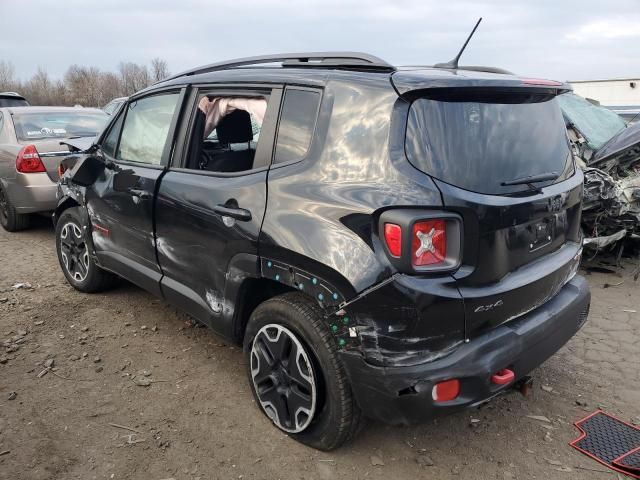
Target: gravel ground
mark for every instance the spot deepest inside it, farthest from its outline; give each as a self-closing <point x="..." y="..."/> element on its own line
<point x="126" y="359"/>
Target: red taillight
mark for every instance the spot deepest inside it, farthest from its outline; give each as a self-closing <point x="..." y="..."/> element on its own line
<point x="421" y="241"/>
<point x="393" y="237"/>
<point x="28" y="160"/>
<point x="428" y="243"/>
<point x="446" y="391"/>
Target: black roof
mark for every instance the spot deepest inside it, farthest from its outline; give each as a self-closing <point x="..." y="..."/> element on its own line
<point x="357" y="60"/>
<point x="314" y="69"/>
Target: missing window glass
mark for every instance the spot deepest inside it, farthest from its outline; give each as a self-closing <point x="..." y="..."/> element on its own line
<point x="226" y="132"/>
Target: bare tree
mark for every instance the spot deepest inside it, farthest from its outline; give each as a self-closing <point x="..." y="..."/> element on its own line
<point x="110" y="86"/>
<point x="133" y="77"/>
<point x="159" y="69"/>
<point x="39" y="89"/>
<point x="87" y="86"/>
<point x="7" y="76"/>
<point x="82" y="85"/>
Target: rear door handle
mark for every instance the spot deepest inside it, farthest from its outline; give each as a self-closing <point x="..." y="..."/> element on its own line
<point x="139" y="193"/>
<point x="238" y="213"/>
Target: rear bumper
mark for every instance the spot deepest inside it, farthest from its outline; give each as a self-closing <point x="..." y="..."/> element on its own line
<point x="33" y="192"/>
<point x="402" y="395"/>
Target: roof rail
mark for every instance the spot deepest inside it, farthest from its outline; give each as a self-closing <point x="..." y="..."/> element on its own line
<point x="316" y="59"/>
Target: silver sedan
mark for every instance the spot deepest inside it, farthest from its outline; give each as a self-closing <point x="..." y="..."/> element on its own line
<point x="30" y="153"/>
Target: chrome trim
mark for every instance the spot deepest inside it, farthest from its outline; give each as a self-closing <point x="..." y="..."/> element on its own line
<point x="54" y="154"/>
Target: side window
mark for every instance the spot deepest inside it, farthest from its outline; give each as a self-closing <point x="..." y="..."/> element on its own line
<point x="110" y="142"/>
<point x="226" y="131"/>
<point x="297" y="122"/>
<point x="146" y="128"/>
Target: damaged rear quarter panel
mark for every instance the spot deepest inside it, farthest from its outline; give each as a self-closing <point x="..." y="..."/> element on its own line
<point x="409" y="320"/>
<point x="322" y="217"/>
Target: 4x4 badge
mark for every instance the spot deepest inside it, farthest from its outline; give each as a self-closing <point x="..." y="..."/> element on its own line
<point x="491" y="306"/>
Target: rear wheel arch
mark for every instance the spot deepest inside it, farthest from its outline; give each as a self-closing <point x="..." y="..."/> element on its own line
<point x="274" y="277"/>
<point x="252" y="293"/>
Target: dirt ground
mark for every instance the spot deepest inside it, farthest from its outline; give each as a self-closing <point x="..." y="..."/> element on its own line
<point x="127" y="359"/>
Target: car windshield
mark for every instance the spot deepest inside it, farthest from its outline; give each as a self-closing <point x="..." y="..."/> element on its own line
<point x="42" y="125"/>
<point x="480" y="140"/>
<point x="596" y="124"/>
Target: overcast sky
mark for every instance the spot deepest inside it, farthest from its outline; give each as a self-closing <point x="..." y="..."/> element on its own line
<point x="570" y="40"/>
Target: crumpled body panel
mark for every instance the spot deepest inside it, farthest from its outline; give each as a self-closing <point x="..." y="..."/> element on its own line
<point x="611" y="204"/>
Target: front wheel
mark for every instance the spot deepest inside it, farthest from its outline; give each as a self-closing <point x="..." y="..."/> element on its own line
<point x="75" y="259"/>
<point x="295" y="374"/>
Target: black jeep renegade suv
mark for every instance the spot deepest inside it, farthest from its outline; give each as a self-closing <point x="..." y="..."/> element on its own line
<point x="384" y="242"/>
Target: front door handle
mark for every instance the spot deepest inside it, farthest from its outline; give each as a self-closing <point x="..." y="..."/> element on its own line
<point x="143" y="194"/>
<point x="238" y="213"/>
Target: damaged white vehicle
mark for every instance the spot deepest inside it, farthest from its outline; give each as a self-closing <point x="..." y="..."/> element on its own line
<point x="608" y="150"/>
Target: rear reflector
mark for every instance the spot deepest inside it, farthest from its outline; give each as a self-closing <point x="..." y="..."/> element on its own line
<point x="393" y="238"/>
<point x="446" y="391"/>
<point x="28" y="160"/>
<point x="503" y="377"/>
<point x="429" y="243"/>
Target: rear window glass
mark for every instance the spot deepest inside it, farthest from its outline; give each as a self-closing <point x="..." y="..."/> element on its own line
<point x="476" y="141"/>
<point x="13" y="102"/>
<point x="297" y="121"/>
<point x="42" y="125"/>
<point x="596" y="124"/>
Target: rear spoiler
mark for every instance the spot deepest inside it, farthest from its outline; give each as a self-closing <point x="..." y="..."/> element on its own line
<point x="409" y="83"/>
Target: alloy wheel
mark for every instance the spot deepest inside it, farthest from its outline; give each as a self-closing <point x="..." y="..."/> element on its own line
<point x="283" y="378"/>
<point x="74" y="252"/>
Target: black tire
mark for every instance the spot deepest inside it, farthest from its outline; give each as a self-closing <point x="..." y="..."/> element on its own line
<point x="10" y="220"/>
<point x="336" y="418"/>
<point x="75" y="259"/>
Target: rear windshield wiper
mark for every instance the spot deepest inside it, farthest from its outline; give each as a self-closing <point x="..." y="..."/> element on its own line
<point x="531" y="179"/>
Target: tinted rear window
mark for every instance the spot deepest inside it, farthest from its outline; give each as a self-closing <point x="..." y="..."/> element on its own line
<point x="13" y="102"/>
<point x="476" y="141"/>
<point x="42" y="125"/>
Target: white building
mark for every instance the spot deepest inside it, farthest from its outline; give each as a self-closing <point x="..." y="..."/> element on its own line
<point x="621" y="95"/>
